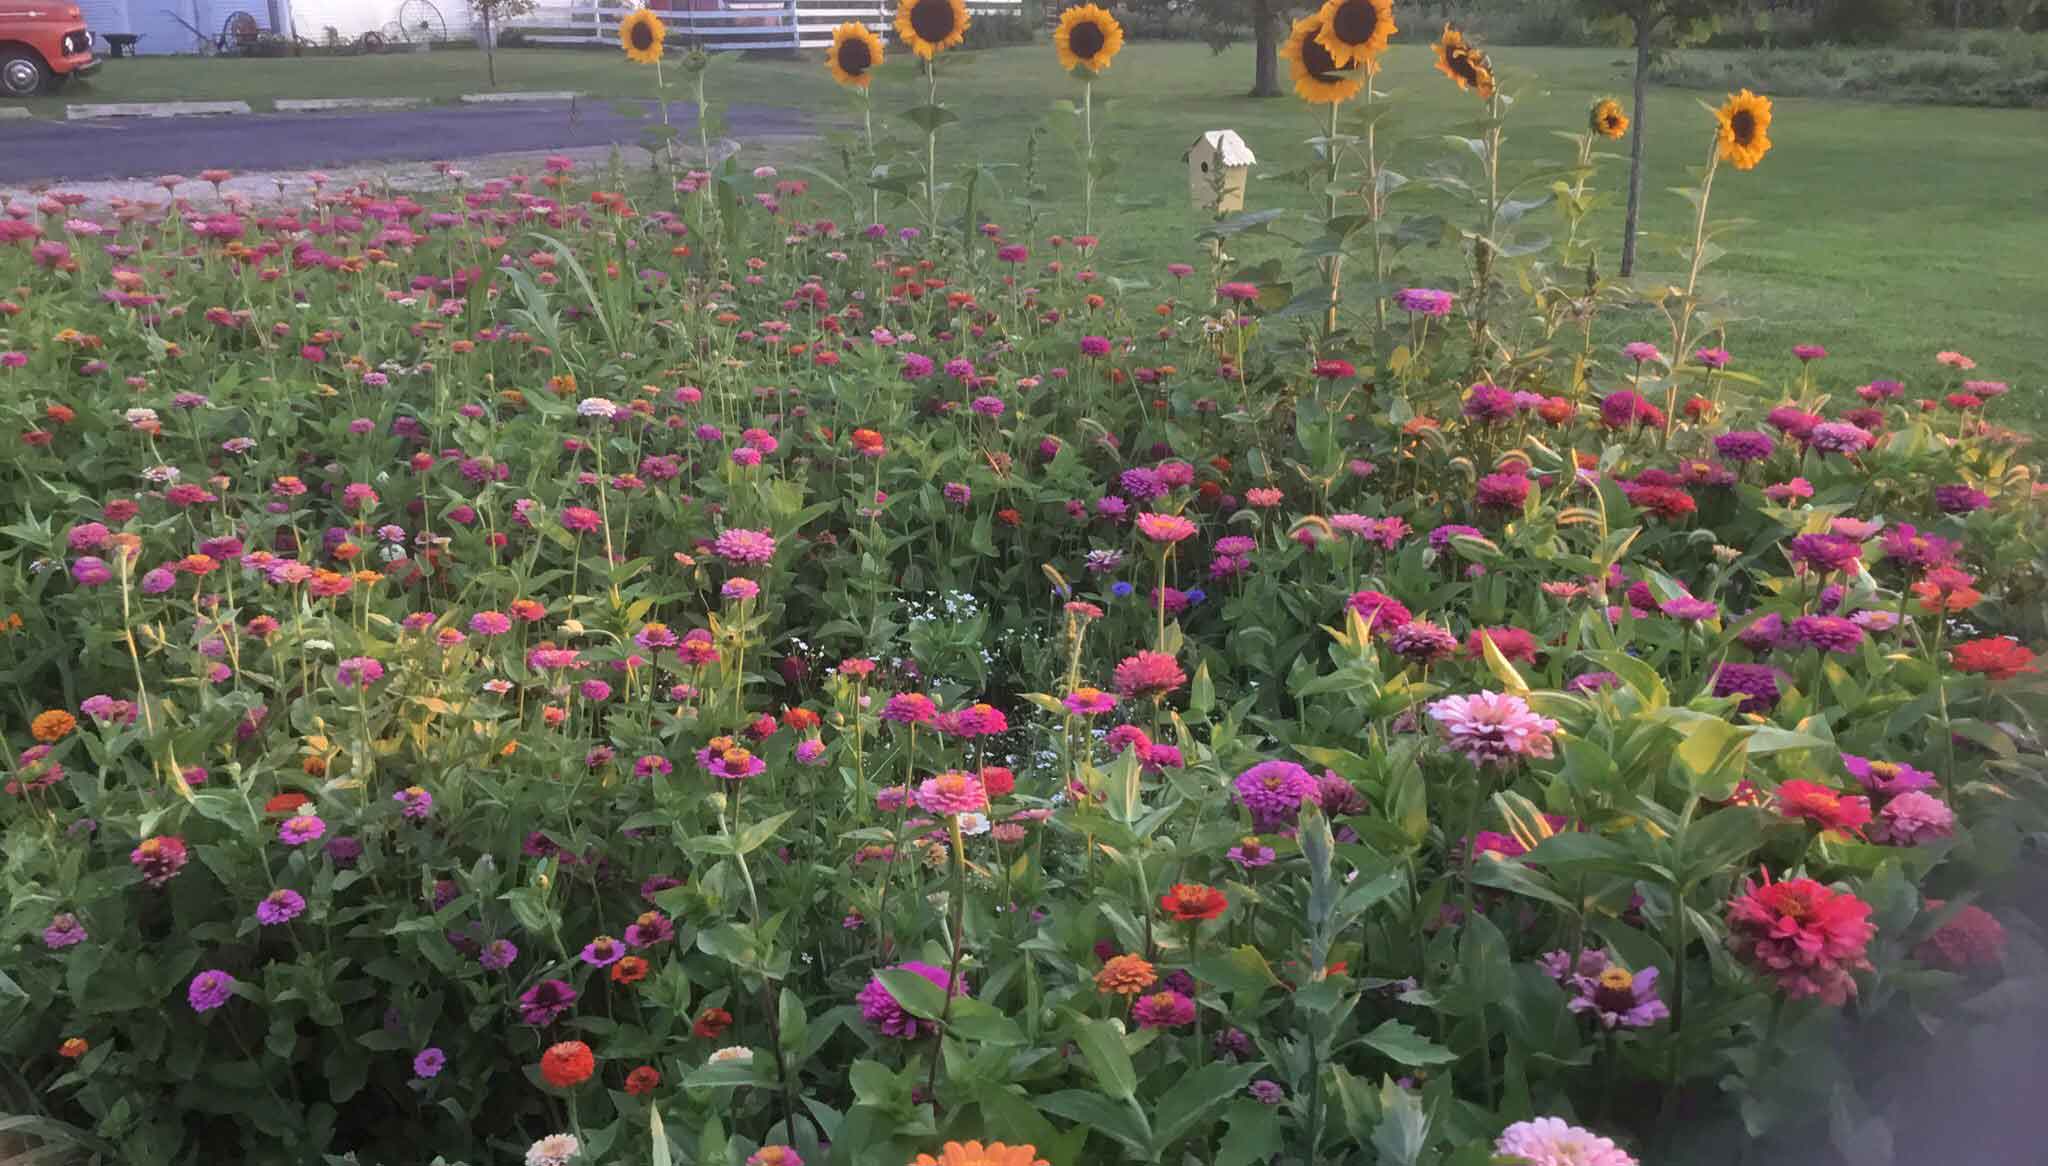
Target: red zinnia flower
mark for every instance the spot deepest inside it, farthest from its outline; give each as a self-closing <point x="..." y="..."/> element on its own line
<point x="1805" y="936"/>
<point x="630" y="970"/>
<point x="1193" y="902"/>
<point x="567" y="1064"/>
<point x="643" y="1080"/>
<point x="711" y="1023"/>
<point x="1512" y="643"/>
<point x="1824" y="807"/>
<point x="1997" y="657"/>
<point x="286" y="804"/>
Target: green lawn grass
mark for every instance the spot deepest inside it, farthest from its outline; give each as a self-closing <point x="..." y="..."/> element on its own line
<point x="1886" y="232"/>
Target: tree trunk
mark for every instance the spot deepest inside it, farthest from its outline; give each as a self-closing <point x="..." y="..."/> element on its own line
<point x="1265" y="50"/>
<point x="490" y="50"/>
<point x="1635" y="147"/>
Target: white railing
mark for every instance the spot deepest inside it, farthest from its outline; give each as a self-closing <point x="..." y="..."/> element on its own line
<point x="737" y="24"/>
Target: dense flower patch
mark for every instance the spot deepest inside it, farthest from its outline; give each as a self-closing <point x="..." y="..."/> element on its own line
<point x="540" y="671"/>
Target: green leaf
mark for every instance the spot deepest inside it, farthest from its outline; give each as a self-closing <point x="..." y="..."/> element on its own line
<point x="930" y="117"/>
<point x="1238" y="969"/>
<point x="1403" y="1132"/>
<point x="1108" y="1059"/>
<point x="1711" y="752"/>
<point x="1121" y="1121"/>
<point x="1408" y="1047"/>
<point x="975" y="1020"/>
<point x="1253" y="1135"/>
<point x="1196" y="1096"/>
<point x="918" y="996"/>
<point x="754" y="834"/>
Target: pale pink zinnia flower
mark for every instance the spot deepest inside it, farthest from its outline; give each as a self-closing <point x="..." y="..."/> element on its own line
<point x="1493" y="727"/>
<point x="1552" y="1141"/>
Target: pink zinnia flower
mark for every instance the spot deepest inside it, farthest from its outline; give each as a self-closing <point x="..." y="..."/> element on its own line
<point x="1804" y="936"/>
<point x="1493" y="728"/>
<point x="910" y="708"/>
<point x="1912" y="818"/>
<point x="744" y="546"/>
<point x="1149" y="674"/>
<point x="1165" y="528"/>
<point x="952" y="792"/>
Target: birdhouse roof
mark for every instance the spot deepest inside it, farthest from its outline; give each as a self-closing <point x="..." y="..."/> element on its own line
<point x="1228" y="146"/>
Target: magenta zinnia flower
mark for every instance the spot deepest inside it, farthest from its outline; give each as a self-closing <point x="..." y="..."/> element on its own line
<point x="1164" y="1009"/>
<point x="910" y="708"/>
<point x="1381" y="612"/>
<point x="1273" y="791"/>
<point x="1493" y="728"/>
<point x="1424" y="301"/>
<point x="159" y="859"/>
<point x="885" y="1015"/>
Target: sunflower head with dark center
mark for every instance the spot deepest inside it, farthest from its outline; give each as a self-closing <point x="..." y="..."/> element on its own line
<point x="1318" y="61"/>
<point x="1461" y="63"/>
<point x="1086" y="39"/>
<point x="1356" y="22"/>
<point x="1743" y="124"/>
<point x="932" y="20"/>
<point x="643" y="36"/>
<point x="855" y="57"/>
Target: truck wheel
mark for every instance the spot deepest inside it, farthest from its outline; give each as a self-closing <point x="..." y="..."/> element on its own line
<point x="22" y="73"/>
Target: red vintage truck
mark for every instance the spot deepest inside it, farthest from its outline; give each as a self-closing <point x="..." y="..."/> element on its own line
<point x="42" y="45"/>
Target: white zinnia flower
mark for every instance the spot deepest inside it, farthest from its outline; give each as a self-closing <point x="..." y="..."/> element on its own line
<point x="553" y="1150"/>
<point x="739" y="1053"/>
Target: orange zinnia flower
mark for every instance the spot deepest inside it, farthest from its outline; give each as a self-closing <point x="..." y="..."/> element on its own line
<point x="1125" y="975"/>
<point x="976" y="1154"/>
<point x="52" y="726"/>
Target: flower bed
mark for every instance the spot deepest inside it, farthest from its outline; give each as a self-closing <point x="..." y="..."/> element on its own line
<point x="537" y="671"/>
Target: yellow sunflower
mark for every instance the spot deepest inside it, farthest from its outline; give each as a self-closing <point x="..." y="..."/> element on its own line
<point x="1356" y="31"/>
<point x="1088" y="38"/>
<point x="930" y="27"/>
<point x="642" y="32"/>
<point x="856" y="52"/>
<point x="1607" y="119"/>
<point x="1463" y="63"/>
<point x="1317" y="77"/>
<point x="1745" y="129"/>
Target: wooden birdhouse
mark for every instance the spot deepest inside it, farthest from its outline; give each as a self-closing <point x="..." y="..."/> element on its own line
<point x="1218" y="164"/>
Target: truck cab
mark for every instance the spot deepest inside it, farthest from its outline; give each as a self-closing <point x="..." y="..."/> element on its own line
<point x="42" y="45"/>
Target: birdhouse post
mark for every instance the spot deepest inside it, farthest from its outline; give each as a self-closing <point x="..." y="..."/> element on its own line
<point x="1218" y="164"/>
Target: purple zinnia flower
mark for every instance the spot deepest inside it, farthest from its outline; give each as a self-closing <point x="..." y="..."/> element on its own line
<point x="1488" y="404"/>
<point x="1887" y="778"/>
<point x="1757" y="684"/>
<point x="428" y="1062"/>
<point x="1273" y="791"/>
<point x="280" y="906"/>
<point x="297" y="831"/>
<point x="602" y="952"/>
<point x="1745" y="445"/>
<point x="1687" y="608"/>
<point x="1422" y="642"/>
<point x="1619" y="998"/>
<point x="209" y="990"/>
<point x="415" y="802"/>
<point x="1424" y="301"/>
<point x="64" y="931"/>
<point x="498" y="955"/>
<point x="885" y="1015"/>
<point x="1958" y="499"/>
<point x="545" y="1001"/>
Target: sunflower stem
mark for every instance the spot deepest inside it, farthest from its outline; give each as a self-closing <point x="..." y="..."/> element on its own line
<point x="1685" y="309"/>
